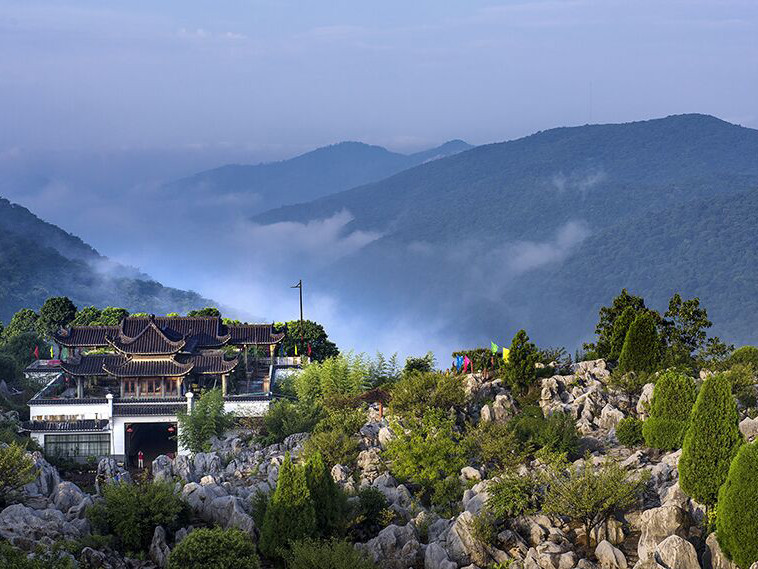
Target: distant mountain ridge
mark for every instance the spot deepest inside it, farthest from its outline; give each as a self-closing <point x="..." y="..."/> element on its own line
<point x="39" y="260"/>
<point x="308" y="176"/>
<point x="510" y="234"/>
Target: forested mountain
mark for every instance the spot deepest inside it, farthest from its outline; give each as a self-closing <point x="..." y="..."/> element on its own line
<point x="39" y="260"/>
<point x="317" y="173"/>
<point x="538" y="231"/>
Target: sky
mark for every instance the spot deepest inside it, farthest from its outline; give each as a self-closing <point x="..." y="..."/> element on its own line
<point x="103" y="101"/>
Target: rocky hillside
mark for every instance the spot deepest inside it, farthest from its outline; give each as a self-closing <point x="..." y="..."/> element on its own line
<point x="661" y="530"/>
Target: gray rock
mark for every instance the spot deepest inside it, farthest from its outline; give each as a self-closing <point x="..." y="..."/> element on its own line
<point x="749" y="428"/>
<point x="610" y="417"/>
<point x="396" y="547"/>
<point x="470" y="473"/>
<point x="163" y="468"/>
<point x="436" y="557"/>
<point x="159" y="550"/>
<point x="67" y="495"/>
<point x="656" y="525"/>
<point x="184" y="468"/>
<point x="461" y="545"/>
<point x="643" y="403"/>
<point x="675" y="552"/>
<point x="25" y="527"/>
<point x="47" y="477"/>
<point x="340" y="474"/>
<point x="713" y="557"/>
<point x="608" y="557"/>
<point x="385" y="436"/>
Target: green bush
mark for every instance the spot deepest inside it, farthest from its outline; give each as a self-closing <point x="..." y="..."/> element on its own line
<point x="747" y="355"/>
<point x="312" y="554"/>
<point x="737" y="512"/>
<point x="495" y="445"/>
<point x="620" y="328"/>
<point x="334" y="437"/>
<point x="290" y="515"/>
<point x="629" y="432"/>
<point x="16" y="470"/>
<point x="208" y="419"/>
<point x="12" y="558"/>
<point x="131" y="512"/>
<point x="329" y="501"/>
<point x="337" y="376"/>
<point x="418" y="392"/>
<point x="512" y="495"/>
<point x="556" y="433"/>
<point x="520" y="372"/>
<point x="217" y="548"/>
<point x="673" y="398"/>
<point x="711" y="442"/>
<point x="642" y="346"/>
<point x="285" y="418"/>
<point x="367" y="516"/>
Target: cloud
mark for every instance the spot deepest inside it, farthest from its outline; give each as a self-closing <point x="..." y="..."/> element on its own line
<point x="530" y="255"/>
<point x="579" y="181"/>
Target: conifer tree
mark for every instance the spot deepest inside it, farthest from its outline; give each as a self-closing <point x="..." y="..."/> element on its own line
<point x="642" y="346"/>
<point x="329" y="501"/>
<point x="290" y="516"/>
<point x="673" y="398"/>
<point x="620" y="328"/>
<point x="737" y="514"/>
<point x="713" y="438"/>
<point x="520" y="372"/>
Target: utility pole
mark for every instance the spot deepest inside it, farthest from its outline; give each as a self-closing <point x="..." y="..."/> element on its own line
<point x="299" y="285"/>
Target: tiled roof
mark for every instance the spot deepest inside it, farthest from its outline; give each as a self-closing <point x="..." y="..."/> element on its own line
<point x="125" y="410"/>
<point x="80" y="425"/>
<point x="93" y="364"/>
<point x="203" y="331"/>
<point x="149" y="368"/>
<point x="85" y="336"/>
<point x="150" y="340"/>
<point x="213" y="363"/>
<point x="253" y="334"/>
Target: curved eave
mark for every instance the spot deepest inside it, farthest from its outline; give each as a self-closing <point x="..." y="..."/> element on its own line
<point x="120" y="373"/>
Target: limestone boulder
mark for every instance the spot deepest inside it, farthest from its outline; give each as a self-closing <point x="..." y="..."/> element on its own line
<point x="609" y="557"/>
<point x="658" y="524"/>
<point x="395" y="547"/>
<point x="749" y="428"/>
<point x="26" y="527"/>
<point x="713" y="557"/>
<point x="675" y="552"/>
<point x="159" y="549"/>
<point x="163" y="468"/>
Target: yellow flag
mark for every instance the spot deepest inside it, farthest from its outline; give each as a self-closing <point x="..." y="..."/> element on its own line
<point x="295" y="349"/>
<point x="51" y="353"/>
<point x="506" y="351"/>
<point x="272" y="349"/>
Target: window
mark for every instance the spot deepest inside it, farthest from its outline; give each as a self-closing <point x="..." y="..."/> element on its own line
<point x="79" y="445"/>
<point x="130" y="387"/>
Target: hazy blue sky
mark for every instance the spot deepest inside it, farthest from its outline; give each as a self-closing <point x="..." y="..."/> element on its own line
<point x="274" y="77"/>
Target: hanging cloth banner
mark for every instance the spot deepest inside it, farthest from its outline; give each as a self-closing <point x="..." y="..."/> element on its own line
<point x="506" y="352"/>
<point x="296" y="349"/>
<point x="458" y="362"/>
<point x="52" y="356"/>
<point x="494" y="347"/>
<point x="272" y="349"/>
<point x="466" y="362"/>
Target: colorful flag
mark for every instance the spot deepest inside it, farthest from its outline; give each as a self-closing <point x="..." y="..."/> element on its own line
<point x="466" y="362"/>
<point x="458" y="362"/>
<point x="36" y="352"/>
<point x="310" y="351"/>
<point x="51" y="353"/>
<point x="296" y="349"/>
<point x="493" y="347"/>
<point x="506" y="351"/>
<point x="272" y="349"/>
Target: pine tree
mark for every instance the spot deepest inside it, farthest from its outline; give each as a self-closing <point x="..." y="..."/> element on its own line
<point x="713" y="438"/>
<point x="290" y="515"/>
<point x="329" y="501"/>
<point x="620" y="328"/>
<point x="737" y="514"/>
<point x="520" y="372"/>
<point x="642" y="346"/>
<point x="673" y="398"/>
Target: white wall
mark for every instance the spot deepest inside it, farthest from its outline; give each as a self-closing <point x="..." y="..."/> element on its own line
<point x="73" y="411"/>
<point x="119" y="424"/>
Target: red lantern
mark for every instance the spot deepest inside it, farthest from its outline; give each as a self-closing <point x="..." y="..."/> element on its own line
<point x="171" y="429"/>
<point x="129" y="429"/>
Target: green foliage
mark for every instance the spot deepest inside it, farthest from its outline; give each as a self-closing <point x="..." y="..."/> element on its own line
<point x="131" y="512"/>
<point x="329" y="501"/>
<point x="334" y="436"/>
<point x="520" y="372"/>
<point x="203" y="312"/>
<point x="588" y="494"/>
<point x="607" y="321"/>
<point x="483" y="529"/>
<point x="217" y="548"/>
<point x="737" y="512"/>
<point x="512" y="495"/>
<point x="8" y="367"/>
<point x="16" y="470"/>
<point x="673" y="398"/>
<point x="423" y="364"/>
<point x="746" y="355"/>
<point x="92" y="316"/>
<point x="418" y="392"/>
<point x="56" y="312"/>
<point x="427" y="453"/>
<point x="383" y="371"/>
<point x="556" y="433"/>
<point x="334" y="554"/>
<point x="290" y="515"/>
<point x="629" y="432"/>
<point x="620" y="328"/>
<point x="715" y="355"/>
<point x="642" y="346"/>
<point x="313" y="333"/>
<point x="337" y="376"/>
<point x="21" y="348"/>
<point x="495" y="445"/>
<point x="285" y="418"/>
<point x="684" y="329"/>
<point x="742" y="379"/>
<point x="367" y="517"/>
<point x="23" y="322"/>
<point x="208" y="419"/>
<point x="12" y="558"/>
<point x="711" y="442"/>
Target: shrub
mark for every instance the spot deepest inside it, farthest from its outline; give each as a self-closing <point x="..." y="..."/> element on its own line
<point x="16" y="470"/>
<point x="556" y="433"/>
<point x="329" y="502"/>
<point x="217" y="548"/>
<point x="741" y="376"/>
<point x="12" y="558"/>
<point x="290" y="515"/>
<point x="132" y="511"/>
<point x="418" y="392"/>
<point x="339" y="375"/>
<point x="369" y="510"/>
<point x="427" y="453"/>
<point x="520" y="372"/>
<point x="495" y="445"/>
<point x="620" y="328"/>
<point x="629" y="432"/>
<point x="737" y="512"/>
<point x="312" y="554"/>
<point x="336" y="447"/>
<point x="208" y="419"/>
<point x="285" y="418"/>
<point x="590" y="495"/>
<point x="673" y="398"/>
<point x="512" y="495"/>
<point x="747" y="355"/>
<point x="642" y="346"/>
<point x="712" y="440"/>
<point x="483" y="529"/>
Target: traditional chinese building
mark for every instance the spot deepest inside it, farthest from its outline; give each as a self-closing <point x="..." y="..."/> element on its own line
<point x="120" y="387"/>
